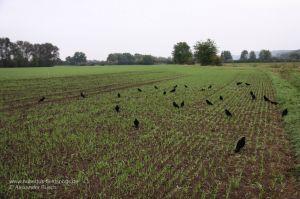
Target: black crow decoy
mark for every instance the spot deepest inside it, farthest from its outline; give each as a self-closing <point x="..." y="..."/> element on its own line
<point x="239" y="83"/>
<point x="284" y="112"/>
<point x="173" y="90"/>
<point x="208" y="102"/>
<point x="227" y="112"/>
<point x="82" y="95"/>
<point x="203" y="89"/>
<point x="175" y="86"/>
<point x="42" y="99"/>
<point x="175" y="105"/>
<point x="240" y="144"/>
<point x="182" y="104"/>
<point x="136" y="123"/>
<point x="119" y="95"/>
<point x="221" y="97"/>
<point x="209" y="87"/>
<point x="164" y="92"/>
<point x="252" y="95"/>
<point x="185" y="86"/>
<point x="266" y="99"/>
<point x="155" y="87"/>
<point x="117" y="108"/>
<point x="247" y="84"/>
<point x="140" y="90"/>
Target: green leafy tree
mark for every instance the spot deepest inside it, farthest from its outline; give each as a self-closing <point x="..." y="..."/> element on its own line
<point x="206" y="52"/>
<point x="112" y="58"/>
<point x="79" y="58"/>
<point x="23" y="53"/>
<point x="265" y="55"/>
<point x="5" y="52"/>
<point x="125" y="59"/>
<point x="252" y="56"/>
<point x="182" y="53"/>
<point x="244" y="55"/>
<point x="148" y="60"/>
<point x="44" y="54"/>
<point x="294" y="56"/>
<point x="226" y="56"/>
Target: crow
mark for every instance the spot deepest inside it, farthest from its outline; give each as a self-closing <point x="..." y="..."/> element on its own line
<point x="164" y="92"/>
<point x="239" y="83"/>
<point x="136" y="123"/>
<point x="82" y="95"/>
<point x="119" y="95"/>
<point x="173" y="90"/>
<point x="175" y="86"/>
<point x="140" y="90"/>
<point x="208" y="102"/>
<point x="117" y="108"/>
<point x="284" y="112"/>
<point x="203" y="89"/>
<point x="266" y="99"/>
<point x="273" y="102"/>
<point x="182" y="104"/>
<point x="175" y="105"/>
<point x="221" y="97"/>
<point x="155" y="87"/>
<point x="228" y="113"/>
<point x="252" y="95"/>
<point x="209" y="87"/>
<point x="185" y="86"/>
<point x="247" y="84"/>
<point x="42" y="99"/>
<point x="240" y="144"/>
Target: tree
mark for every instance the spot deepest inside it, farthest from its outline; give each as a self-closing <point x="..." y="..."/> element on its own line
<point x="265" y="55"/>
<point x="206" y="52"/>
<point x="294" y="56"/>
<point x="23" y="53"/>
<point x="164" y="60"/>
<point x="44" y="54"/>
<point x="5" y="52"/>
<point x="79" y="58"/>
<point x="244" y="55"/>
<point x="112" y="58"/>
<point x="148" y="60"/>
<point x="125" y="59"/>
<point x="26" y="52"/>
<point x="138" y="58"/>
<point x="226" y="56"/>
<point x="182" y="53"/>
<point x="252" y="56"/>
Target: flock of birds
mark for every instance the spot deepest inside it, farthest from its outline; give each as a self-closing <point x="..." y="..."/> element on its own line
<point x="241" y="142"/>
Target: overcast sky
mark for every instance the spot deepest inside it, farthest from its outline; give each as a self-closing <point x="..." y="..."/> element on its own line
<point x="100" y="27"/>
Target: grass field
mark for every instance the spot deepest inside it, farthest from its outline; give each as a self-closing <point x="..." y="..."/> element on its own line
<point x="185" y="152"/>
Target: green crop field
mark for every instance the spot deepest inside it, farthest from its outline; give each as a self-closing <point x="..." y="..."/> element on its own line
<point x="185" y="152"/>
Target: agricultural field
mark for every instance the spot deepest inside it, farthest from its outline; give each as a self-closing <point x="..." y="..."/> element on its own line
<point x="185" y="152"/>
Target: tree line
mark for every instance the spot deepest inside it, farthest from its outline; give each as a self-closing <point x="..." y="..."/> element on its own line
<point x="79" y="58"/>
<point x="129" y="59"/>
<point x="263" y="56"/>
<point x="24" y="54"/>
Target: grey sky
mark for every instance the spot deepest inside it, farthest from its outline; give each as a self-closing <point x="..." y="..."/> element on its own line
<point x="100" y="27"/>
